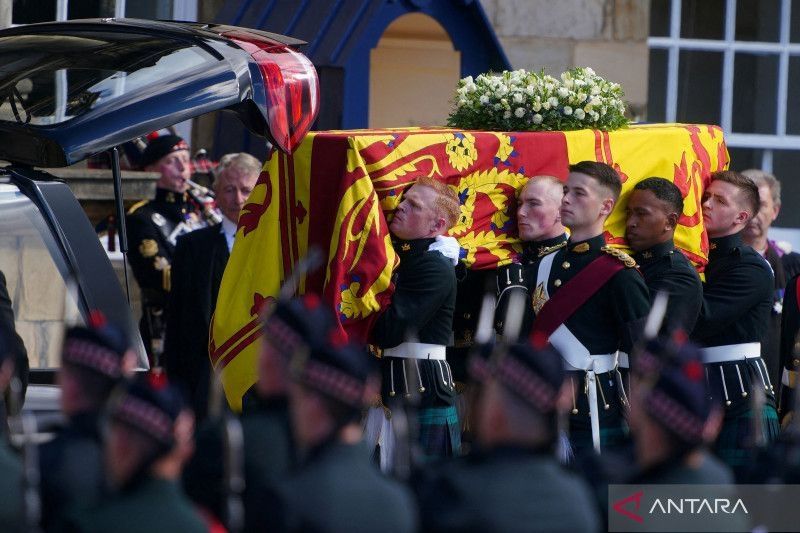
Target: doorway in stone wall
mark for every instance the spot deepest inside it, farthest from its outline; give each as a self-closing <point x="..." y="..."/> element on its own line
<point x="413" y="74"/>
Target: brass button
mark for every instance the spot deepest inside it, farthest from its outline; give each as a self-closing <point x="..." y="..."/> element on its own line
<point x="565" y="264"/>
<point x="557" y="283"/>
<point x="467" y="316"/>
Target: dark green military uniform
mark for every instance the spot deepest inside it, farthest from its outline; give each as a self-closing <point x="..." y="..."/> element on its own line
<point x="153" y="226"/>
<point x="666" y="269"/>
<point x="422" y="308"/>
<point x="737" y="298"/>
<point x="153" y="505"/>
<point x="789" y="347"/>
<point x="608" y="322"/>
<point x="785" y="265"/>
<point x="520" y="277"/>
<point x="11" y="504"/>
<point x="507" y="489"/>
<point x="72" y="468"/>
<point x="334" y="481"/>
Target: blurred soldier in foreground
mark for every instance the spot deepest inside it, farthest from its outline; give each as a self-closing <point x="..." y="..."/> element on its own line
<point x="199" y="261"/>
<point x="268" y="453"/>
<point x="514" y="483"/>
<point x="92" y="364"/>
<point x="11" y="481"/>
<point x="149" y="437"/>
<point x="541" y="232"/>
<point x="590" y="303"/>
<point x="673" y="417"/>
<point x="737" y="298"/>
<point x="422" y="309"/>
<point x="153" y="226"/>
<point x="654" y="207"/>
<point x="785" y="263"/>
<point x="336" y="488"/>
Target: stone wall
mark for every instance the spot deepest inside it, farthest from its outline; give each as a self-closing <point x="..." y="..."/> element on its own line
<point x="608" y="35"/>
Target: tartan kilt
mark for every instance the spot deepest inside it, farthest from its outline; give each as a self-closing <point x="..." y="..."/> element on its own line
<point x="439" y="432"/>
<point x="614" y="432"/>
<point x="734" y="445"/>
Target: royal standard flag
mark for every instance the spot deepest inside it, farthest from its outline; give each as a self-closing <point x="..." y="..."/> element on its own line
<point x="337" y="190"/>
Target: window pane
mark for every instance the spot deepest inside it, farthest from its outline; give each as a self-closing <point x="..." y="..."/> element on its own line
<point x="795" y="25"/>
<point x="659" y="18"/>
<point x="657" y="87"/>
<point x="699" y="87"/>
<point x="32" y="11"/>
<point x="89" y="9"/>
<point x="755" y="93"/>
<point x="784" y="165"/>
<point x="28" y="255"/>
<point x="793" y="118"/>
<point x="758" y="20"/>
<point x="149" y="9"/>
<point x="703" y="19"/>
<point x="743" y="158"/>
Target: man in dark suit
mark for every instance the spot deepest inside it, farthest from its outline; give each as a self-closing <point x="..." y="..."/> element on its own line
<point x="198" y="264"/>
<point x="785" y="263"/>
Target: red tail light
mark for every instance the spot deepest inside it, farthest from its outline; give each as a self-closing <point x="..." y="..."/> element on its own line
<point x="291" y="87"/>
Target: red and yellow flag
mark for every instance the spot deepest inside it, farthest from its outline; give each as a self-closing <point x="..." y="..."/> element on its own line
<point x="336" y="191"/>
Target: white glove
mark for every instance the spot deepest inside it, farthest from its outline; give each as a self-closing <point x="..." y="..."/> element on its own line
<point x="448" y="247"/>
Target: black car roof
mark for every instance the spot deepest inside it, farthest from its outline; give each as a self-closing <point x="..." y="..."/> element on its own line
<point x="71" y="89"/>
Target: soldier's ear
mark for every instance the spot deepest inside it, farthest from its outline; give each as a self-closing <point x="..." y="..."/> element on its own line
<point x="672" y="221"/>
<point x="608" y="206"/>
<point x="743" y="217"/>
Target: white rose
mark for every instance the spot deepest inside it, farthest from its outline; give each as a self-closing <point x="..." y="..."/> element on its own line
<point x="569" y="83"/>
<point x="537" y="118"/>
<point x="462" y="102"/>
<point x="567" y="110"/>
<point x="484" y="99"/>
<point x="563" y="92"/>
<point x="595" y="101"/>
<point x="595" y="90"/>
<point x="553" y="101"/>
<point x="468" y="80"/>
<point x="589" y="71"/>
<point x="546" y="105"/>
<point x="580" y="114"/>
<point x="537" y="106"/>
<point x="504" y="102"/>
<point x="581" y="97"/>
<point x="507" y="114"/>
<point x="529" y="90"/>
<point x="519" y="112"/>
<point x="518" y="98"/>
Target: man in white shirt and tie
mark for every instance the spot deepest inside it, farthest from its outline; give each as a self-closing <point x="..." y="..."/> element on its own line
<point x="199" y="261"/>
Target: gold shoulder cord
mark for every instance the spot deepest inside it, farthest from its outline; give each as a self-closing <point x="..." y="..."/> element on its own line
<point x="629" y="261"/>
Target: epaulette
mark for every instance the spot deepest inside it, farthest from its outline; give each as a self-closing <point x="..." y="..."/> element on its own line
<point x="629" y="261"/>
<point x="547" y="250"/>
<point x="135" y="207"/>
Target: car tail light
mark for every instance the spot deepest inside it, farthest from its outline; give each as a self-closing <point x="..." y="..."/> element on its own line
<point x="291" y="86"/>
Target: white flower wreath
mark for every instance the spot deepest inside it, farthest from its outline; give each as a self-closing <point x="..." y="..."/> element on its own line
<point x="520" y="101"/>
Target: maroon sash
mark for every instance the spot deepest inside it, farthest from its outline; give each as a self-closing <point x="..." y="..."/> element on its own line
<point x="574" y="294"/>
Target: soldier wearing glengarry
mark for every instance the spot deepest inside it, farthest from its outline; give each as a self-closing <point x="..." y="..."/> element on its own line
<point x="654" y="208"/>
<point x="541" y="232"/>
<point x="737" y="298"/>
<point x="590" y="302"/>
<point x="153" y="227"/>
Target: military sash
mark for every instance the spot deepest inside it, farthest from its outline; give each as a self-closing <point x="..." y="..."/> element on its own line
<point x="573" y="294"/>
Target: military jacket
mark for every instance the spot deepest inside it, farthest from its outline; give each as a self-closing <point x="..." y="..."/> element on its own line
<point x="153" y="227"/>
<point x="337" y="489"/>
<point x="519" y="277"/>
<point x="11" y="504"/>
<point x="72" y="468"/>
<point x="737" y="295"/>
<point x="424" y="297"/>
<point x="153" y="504"/>
<point x="422" y="308"/>
<point x="666" y="269"/>
<point x="790" y="326"/>
<point x="611" y="318"/>
<point x="508" y="489"/>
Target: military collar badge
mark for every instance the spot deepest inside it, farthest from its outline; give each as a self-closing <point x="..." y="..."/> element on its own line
<point x="581" y="248"/>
